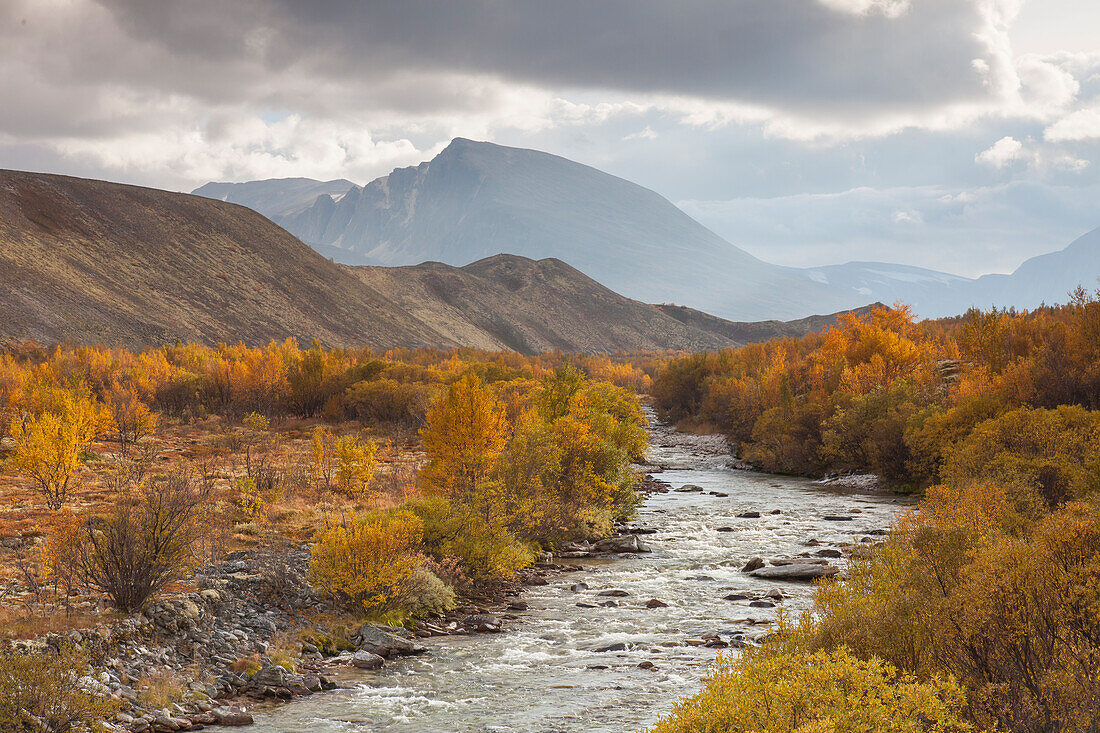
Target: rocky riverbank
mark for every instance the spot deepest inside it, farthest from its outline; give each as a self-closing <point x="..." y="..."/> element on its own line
<point x="253" y="630"/>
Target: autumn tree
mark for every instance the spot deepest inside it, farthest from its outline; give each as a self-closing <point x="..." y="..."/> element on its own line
<point x="48" y="446"/>
<point x="132" y="418"/>
<point x="343" y="463"/>
<point x="466" y="431"/>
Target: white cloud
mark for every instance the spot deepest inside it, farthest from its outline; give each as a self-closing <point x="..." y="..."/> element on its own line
<point x="1083" y="124"/>
<point x="889" y="8"/>
<point x="648" y="133"/>
<point x="907" y="217"/>
<point x="1003" y="153"/>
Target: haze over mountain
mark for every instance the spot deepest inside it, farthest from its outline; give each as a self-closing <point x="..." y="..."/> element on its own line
<point x="476" y="199"/>
<point x="95" y="262"/>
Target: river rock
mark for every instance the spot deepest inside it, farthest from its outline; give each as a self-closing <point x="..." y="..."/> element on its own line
<point x="616" y="647"/>
<point x="372" y="638"/>
<point x="231" y="716"/>
<point x="517" y="606"/>
<point x="836" y="518"/>
<point x="647" y="665"/>
<point x="749" y="515"/>
<point x="829" y="553"/>
<point x="752" y="565"/>
<point x="799" y="561"/>
<point x="366" y="660"/>
<point x="578" y="587"/>
<point x="761" y="604"/>
<point x="725" y="529"/>
<point x="687" y="488"/>
<point x="482" y="623"/>
<point x="623" y="544"/>
<point x="613" y="593"/>
<point x="795" y="572"/>
<point x="655" y="603"/>
<point x="737" y="597"/>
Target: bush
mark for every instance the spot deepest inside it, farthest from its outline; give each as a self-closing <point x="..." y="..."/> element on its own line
<point x="1054" y="453"/>
<point x="389" y="401"/>
<point x="486" y="550"/>
<point x="143" y="543"/>
<point x="425" y="593"/>
<point x="763" y="691"/>
<point x="47" y="691"/>
<point x="366" y="561"/>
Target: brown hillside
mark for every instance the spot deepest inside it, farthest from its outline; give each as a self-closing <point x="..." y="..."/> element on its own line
<point x="88" y="261"/>
<point x="512" y="302"/>
<point x="751" y="332"/>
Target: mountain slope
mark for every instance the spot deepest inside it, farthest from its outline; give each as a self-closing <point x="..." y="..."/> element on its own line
<point x="275" y="197"/>
<point x="511" y="302"/>
<point x="95" y="262"/>
<point x="478" y="199"/>
<point x="1047" y="278"/>
<point x="756" y="331"/>
<point x="91" y="261"/>
<point x="883" y="282"/>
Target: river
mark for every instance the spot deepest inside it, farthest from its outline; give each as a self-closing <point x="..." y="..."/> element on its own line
<point x="542" y="673"/>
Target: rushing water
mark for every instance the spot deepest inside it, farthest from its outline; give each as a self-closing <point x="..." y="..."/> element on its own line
<point x="542" y="674"/>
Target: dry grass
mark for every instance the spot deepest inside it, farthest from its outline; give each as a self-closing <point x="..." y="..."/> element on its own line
<point x="294" y="516"/>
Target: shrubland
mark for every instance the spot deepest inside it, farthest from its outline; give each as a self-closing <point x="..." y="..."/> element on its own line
<point x="414" y="476"/>
<point x="979" y="610"/>
<point x="123" y="470"/>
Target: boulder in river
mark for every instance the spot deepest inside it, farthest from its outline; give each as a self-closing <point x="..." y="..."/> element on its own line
<point x="836" y="518"/>
<point x="231" y="716"/>
<point x="829" y="552"/>
<point x="749" y="515"/>
<point x="377" y="640"/>
<point x="688" y="488"/>
<point x="613" y="593"/>
<point x="796" y="571"/>
<point x="753" y="564"/>
<point x="622" y="544"/>
<point x="482" y="622"/>
<point x="655" y="603"/>
<point x="800" y="560"/>
<point x="616" y="647"/>
<point x="737" y="597"/>
<point x="366" y="660"/>
<point x="725" y="529"/>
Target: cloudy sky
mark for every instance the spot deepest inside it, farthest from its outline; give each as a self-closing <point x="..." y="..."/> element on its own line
<point x="962" y="135"/>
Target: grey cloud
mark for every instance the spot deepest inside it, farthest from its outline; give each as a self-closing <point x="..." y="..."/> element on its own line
<point x="795" y="54"/>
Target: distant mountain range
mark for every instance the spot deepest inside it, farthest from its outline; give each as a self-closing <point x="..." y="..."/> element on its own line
<point x="478" y="199"/>
<point x="93" y="262"/>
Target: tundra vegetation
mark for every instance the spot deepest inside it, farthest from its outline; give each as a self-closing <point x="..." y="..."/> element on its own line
<point x="416" y="476"/>
<point x="979" y="610"/>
